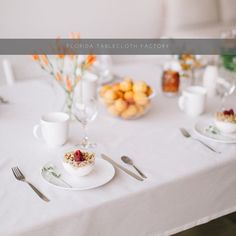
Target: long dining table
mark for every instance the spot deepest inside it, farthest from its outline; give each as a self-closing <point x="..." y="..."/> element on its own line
<point x="186" y="183"/>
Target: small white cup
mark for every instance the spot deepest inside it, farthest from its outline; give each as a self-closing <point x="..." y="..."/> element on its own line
<point x="193" y="100"/>
<point x="53" y="128"/>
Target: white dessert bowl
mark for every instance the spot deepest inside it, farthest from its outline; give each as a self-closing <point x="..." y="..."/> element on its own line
<point x="79" y="171"/>
<point x="225" y="127"/>
<point x="77" y="165"/>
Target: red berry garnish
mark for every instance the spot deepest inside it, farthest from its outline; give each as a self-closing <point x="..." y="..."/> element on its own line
<point x="226" y="113"/>
<point x="78" y="156"/>
<point x="231" y="111"/>
<point x="77" y="153"/>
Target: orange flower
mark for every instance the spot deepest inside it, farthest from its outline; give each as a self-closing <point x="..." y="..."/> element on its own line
<point x="58" y="76"/>
<point x="89" y="60"/>
<point x="68" y="84"/>
<point x="44" y="60"/>
<point x="35" y="57"/>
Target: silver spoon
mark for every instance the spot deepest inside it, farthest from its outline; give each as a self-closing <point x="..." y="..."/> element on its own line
<point x="186" y="134"/>
<point x="51" y="170"/>
<point x="129" y="161"/>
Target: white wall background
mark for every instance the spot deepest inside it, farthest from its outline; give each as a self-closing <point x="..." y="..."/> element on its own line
<point x="97" y="18"/>
<point x="109" y="19"/>
<point x="93" y="19"/>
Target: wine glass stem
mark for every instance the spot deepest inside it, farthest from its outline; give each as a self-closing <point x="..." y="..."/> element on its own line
<point x="223" y="102"/>
<point x="85" y="138"/>
<point x="193" y="76"/>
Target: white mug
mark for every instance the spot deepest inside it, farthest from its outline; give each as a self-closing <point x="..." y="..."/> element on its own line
<point x="53" y="128"/>
<point x="193" y="100"/>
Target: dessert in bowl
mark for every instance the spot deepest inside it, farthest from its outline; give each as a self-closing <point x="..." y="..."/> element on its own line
<point x="225" y="121"/>
<point x="127" y="99"/>
<point x="78" y="163"/>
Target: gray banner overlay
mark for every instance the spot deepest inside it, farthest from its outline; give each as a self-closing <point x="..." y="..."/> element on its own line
<point x="117" y="46"/>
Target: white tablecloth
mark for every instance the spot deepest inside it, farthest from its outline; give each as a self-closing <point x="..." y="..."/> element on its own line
<point x="187" y="184"/>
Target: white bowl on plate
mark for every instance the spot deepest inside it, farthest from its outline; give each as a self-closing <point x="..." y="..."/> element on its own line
<point x="225" y="127"/>
<point x="78" y="171"/>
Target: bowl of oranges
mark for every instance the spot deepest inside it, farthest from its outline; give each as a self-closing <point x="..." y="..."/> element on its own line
<point x="127" y="99"/>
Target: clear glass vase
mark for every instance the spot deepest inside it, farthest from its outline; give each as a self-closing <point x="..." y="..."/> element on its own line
<point x="67" y="107"/>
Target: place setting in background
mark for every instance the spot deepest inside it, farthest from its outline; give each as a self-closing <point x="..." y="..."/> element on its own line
<point x="192" y="102"/>
<point x="221" y="127"/>
<point x="216" y="81"/>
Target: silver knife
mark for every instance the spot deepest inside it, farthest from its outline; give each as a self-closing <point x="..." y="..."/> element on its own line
<point x="121" y="167"/>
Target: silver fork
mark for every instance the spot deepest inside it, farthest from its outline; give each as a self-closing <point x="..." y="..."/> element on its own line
<point x="186" y="134"/>
<point x="19" y="176"/>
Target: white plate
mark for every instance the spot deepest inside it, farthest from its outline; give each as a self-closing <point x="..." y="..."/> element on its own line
<point x="200" y="129"/>
<point x="102" y="173"/>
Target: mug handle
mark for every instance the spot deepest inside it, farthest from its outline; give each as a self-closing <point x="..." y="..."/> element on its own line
<point x="181" y="103"/>
<point x="36" y="132"/>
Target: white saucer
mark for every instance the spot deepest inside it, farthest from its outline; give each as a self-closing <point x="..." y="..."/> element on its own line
<point x="102" y="173"/>
<point x="200" y="129"/>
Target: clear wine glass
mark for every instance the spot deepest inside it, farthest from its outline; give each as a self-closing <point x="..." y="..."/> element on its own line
<point x="103" y="68"/>
<point x="225" y="87"/>
<point x="226" y="84"/>
<point x="85" y="112"/>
